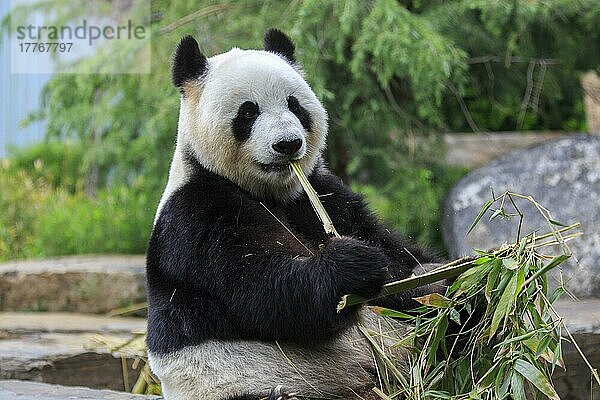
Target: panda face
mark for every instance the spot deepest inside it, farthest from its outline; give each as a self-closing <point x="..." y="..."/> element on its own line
<point x="247" y="115"/>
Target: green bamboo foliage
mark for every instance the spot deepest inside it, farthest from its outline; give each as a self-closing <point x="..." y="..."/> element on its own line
<point x="510" y="337"/>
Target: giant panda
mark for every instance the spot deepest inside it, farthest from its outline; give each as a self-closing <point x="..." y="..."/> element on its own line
<point x="242" y="280"/>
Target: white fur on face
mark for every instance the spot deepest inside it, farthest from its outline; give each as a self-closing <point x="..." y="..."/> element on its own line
<point x="209" y="106"/>
<point x="275" y="124"/>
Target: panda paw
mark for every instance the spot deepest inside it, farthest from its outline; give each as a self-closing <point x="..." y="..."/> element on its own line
<point x="360" y="268"/>
<point x="279" y="393"/>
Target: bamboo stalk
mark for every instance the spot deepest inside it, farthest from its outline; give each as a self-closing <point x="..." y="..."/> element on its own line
<point x="446" y="271"/>
<point x="314" y="200"/>
<point x="141" y="384"/>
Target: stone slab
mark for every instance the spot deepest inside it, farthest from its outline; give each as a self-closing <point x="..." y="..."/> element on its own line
<point x="20" y="390"/>
<point x="57" y="322"/>
<point x="133" y="264"/>
<point x="68" y="349"/>
<point x="89" y="284"/>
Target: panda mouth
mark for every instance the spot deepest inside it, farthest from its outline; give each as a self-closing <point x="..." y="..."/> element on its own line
<point x="275" y="167"/>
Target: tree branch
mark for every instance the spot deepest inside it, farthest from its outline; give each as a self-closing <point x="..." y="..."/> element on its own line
<point x="193" y="16"/>
<point x="515" y="59"/>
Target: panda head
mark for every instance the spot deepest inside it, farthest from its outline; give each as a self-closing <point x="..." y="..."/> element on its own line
<point x="245" y="114"/>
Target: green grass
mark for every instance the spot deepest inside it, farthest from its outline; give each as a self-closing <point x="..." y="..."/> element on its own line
<point x="40" y="220"/>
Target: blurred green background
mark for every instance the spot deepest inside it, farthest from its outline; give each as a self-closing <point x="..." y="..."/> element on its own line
<point x="393" y="76"/>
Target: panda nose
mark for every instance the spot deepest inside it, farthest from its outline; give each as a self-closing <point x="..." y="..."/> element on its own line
<point x="288" y="147"/>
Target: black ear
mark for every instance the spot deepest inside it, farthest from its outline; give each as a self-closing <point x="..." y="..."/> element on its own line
<point x="188" y="62"/>
<point x="277" y="42"/>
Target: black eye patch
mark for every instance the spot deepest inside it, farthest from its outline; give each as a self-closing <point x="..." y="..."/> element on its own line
<point x="300" y="112"/>
<point x="243" y="121"/>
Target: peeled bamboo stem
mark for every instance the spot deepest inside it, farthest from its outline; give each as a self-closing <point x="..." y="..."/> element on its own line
<point x="314" y="200"/>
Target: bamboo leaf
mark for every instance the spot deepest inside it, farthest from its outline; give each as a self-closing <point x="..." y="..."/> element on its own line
<point x="533" y="375"/>
<point x="557" y="223"/>
<point x="557" y="358"/>
<point x="502" y="391"/>
<point x="543" y="346"/>
<point x="520" y="281"/>
<point x="559" y="291"/>
<point x="518" y="387"/>
<point x="484" y="259"/>
<point x="386" y="312"/>
<point x="490" y="285"/>
<point x="455" y="316"/>
<point x="440" y="333"/>
<point x="496" y="379"/>
<point x="435" y="300"/>
<point x="517" y="338"/>
<point x="510" y="263"/>
<point x="522" y="243"/>
<point x="534" y="344"/>
<point x="504" y="305"/>
<point x="474" y="276"/>
<point x="545" y="269"/>
<point x="486" y="381"/>
<point x="484" y="209"/>
<point x="535" y="315"/>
